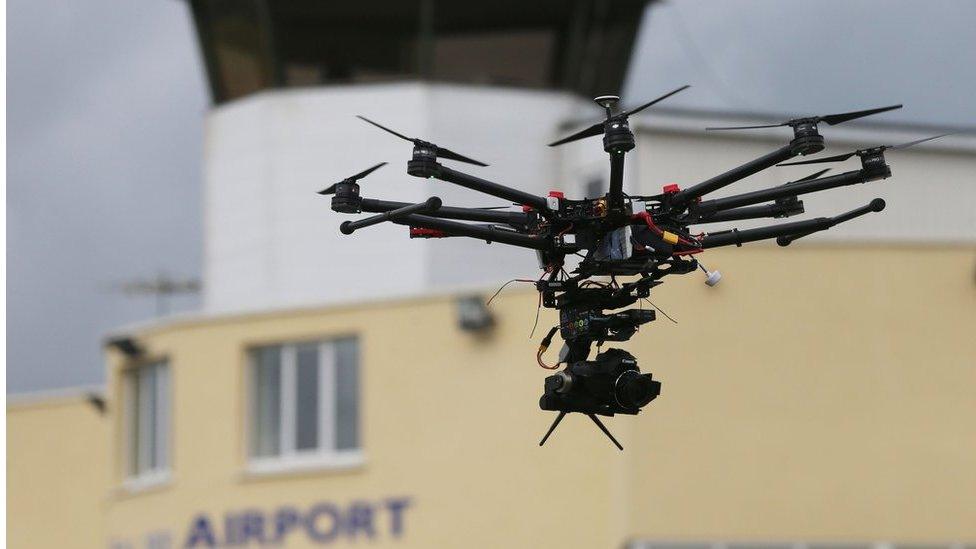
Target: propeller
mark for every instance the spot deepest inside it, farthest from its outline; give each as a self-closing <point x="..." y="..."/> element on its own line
<point x="860" y="152"/>
<point x="441" y="152"/>
<point x="513" y="204"/>
<point x="352" y="179"/>
<point x="606" y="101"/>
<point x="831" y="119"/>
<point x="814" y="175"/>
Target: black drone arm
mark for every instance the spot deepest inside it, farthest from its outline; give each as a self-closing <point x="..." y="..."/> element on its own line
<point x="737" y="237"/>
<point x="793" y="231"/>
<point x="616" y="197"/>
<point x="776" y="209"/>
<point x="516" y="219"/>
<point x="450" y="175"/>
<point x="782" y="191"/>
<point x="488" y="234"/>
<point x="875" y="205"/>
<point x="432" y="204"/>
<point x="735" y="174"/>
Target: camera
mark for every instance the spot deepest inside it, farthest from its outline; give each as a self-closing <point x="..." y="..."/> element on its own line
<point x="611" y="384"/>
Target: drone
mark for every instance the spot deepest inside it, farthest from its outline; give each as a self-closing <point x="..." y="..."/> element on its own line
<point x="642" y="238"/>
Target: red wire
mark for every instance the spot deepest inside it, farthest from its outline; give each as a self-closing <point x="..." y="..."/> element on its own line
<point x="538" y="358"/>
<point x="657" y="230"/>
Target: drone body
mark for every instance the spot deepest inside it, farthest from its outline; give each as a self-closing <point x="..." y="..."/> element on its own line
<point x="641" y="237"/>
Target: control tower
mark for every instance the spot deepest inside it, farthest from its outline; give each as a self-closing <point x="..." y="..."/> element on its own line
<point x="491" y="80"/>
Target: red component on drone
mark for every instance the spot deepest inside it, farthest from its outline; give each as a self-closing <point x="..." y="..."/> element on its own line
<point x="671" y="188"/>
<point x="557" y="194"/>
<point x="420" y="232"/>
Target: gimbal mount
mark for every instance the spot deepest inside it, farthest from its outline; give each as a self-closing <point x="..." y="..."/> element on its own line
<point x="616" y="235"/>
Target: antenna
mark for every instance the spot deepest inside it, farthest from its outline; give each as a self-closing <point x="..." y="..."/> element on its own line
<point x="162" y="287"/>
<point x="607" y="102"/>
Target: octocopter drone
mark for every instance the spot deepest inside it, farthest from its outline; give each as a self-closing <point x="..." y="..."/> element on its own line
<point x="641" y="237"/>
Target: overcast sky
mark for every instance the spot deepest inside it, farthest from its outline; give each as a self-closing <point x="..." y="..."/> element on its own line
<point x="104" y="125"/>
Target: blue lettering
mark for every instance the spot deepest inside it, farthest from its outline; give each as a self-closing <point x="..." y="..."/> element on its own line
<point x="201" y="533"/>
<point x="286" y="519"/>
<point x="397" y="506"/>
<point x="252" y="526"/>
<point x="322" y="536"/>
<point x="324" y="523"/>
<point x="360" y="517"/>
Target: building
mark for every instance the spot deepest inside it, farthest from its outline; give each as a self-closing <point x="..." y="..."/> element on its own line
<point x="820" y="397"/>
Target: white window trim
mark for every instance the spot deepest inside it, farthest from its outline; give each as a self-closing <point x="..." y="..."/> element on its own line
<point x="307" y="462"/>
<point x="289" y="459"/>
<point x="132" y="480"/>
<point x="149" y="480"/>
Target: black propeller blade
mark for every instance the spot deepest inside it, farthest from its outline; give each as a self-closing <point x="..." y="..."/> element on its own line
<point x="917" y="141"/>
<point x="636" y="110"/>
<point x="352" y="179"/>
<point x="597" y="129"/>
<point x="874" y="150"/>
<point x="831" y="119"/>
<point x="441" y="152"/>
<point x="814" y="175"/>
<point x="835" y="158"/>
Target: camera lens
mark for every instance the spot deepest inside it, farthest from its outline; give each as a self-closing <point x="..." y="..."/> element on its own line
<point x="635" y="390"/>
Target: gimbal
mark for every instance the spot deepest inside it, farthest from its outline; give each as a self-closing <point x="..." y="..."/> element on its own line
<point x="616" y="235"/>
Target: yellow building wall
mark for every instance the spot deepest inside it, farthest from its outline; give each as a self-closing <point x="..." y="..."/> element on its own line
<point x="816" y="394"/>
<point x="57" y="473"/>
<point x="819" y="392"/>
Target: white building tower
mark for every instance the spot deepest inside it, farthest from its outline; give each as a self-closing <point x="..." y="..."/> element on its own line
<point x="493" y="80"/>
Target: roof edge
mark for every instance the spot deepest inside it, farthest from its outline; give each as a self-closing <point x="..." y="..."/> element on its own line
<point x="51" y="396"/>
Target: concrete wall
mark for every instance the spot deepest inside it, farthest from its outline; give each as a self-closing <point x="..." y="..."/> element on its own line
<point x="270" y="241"/>
<point x="820" y="392"/>
<point x="57" y="472"/>
<point x="931" y="195"/>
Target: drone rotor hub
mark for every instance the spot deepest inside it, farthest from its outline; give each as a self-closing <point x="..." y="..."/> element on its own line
<point x="346" y="198"/>
<point x="873" y="162"/>
<point x="424" y="150"/>
<point x="806" y="137"/>
<point x="617" y="137"/>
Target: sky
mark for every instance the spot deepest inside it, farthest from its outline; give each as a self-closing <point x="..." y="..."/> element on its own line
<point x="106" y="99"/>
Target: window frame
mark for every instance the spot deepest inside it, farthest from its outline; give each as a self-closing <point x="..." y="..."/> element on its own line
<point x="289" y="458"/>
<point x="135" y="448"/>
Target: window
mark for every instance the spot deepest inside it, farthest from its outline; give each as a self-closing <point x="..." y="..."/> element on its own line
<point x="146" y="417"/>
<point x="304" y="405"/>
